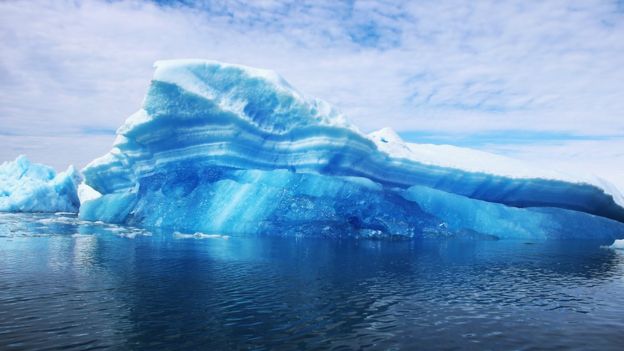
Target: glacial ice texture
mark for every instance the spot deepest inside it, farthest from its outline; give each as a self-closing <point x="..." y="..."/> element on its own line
<point x="232" y="149"/>
<point x="32" y="187"/>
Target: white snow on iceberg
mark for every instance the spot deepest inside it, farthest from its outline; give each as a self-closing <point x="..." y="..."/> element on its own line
<point x="230" y="149"/>
<point x="32" y="187"/>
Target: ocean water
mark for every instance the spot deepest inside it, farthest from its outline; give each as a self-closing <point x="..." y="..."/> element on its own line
<point x="67" y="284"/>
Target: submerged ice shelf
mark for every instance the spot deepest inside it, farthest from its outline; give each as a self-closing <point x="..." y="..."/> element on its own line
<point x="231" y="149"/>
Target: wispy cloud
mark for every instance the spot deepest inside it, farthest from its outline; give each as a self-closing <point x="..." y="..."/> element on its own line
<point x="72" y="69"/>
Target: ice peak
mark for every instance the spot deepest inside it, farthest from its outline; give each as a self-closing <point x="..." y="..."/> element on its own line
<point x="258" y="96"/>
<point x="166" y="68"/>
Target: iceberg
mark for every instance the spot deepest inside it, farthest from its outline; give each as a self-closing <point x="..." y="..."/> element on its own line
<point x="33" y="187"/>
<point x="618" y="245"/>
<point x="223" y="148"/>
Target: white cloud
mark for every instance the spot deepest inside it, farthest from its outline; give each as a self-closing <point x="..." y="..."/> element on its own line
<point x="445" y="66"/>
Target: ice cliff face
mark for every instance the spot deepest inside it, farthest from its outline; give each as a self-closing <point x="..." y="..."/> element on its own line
<point x="227" y="148"/>
<point x="32" y="187"/>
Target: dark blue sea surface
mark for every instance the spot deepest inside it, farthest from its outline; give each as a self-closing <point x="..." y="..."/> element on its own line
<point x="67" y="284"/>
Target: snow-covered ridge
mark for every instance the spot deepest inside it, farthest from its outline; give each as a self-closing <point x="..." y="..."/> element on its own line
<point x="387" y="140"/>
<point x="477" y="161"/>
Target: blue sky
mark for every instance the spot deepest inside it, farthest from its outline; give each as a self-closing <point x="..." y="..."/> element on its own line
<point x="539" y="80"/>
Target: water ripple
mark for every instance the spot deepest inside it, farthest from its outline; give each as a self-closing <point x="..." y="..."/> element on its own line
<point x="67" y="284"/>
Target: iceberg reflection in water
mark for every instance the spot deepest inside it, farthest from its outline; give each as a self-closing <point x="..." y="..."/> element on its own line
<point x="73" y="284"/>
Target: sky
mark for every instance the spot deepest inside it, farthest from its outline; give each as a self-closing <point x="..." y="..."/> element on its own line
<point x="535" y="80"/>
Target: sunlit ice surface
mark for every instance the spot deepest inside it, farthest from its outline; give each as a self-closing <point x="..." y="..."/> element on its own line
<point x="67" y="283"/>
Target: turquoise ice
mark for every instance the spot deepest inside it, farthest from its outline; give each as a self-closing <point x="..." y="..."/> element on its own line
<point x="231" y="149"/>
<point x="33" y="187"/>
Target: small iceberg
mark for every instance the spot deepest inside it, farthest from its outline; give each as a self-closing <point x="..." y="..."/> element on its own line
<point x="199" y="235"/>
<point x="31" y="187"/>
<point x="618" y="245"/>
